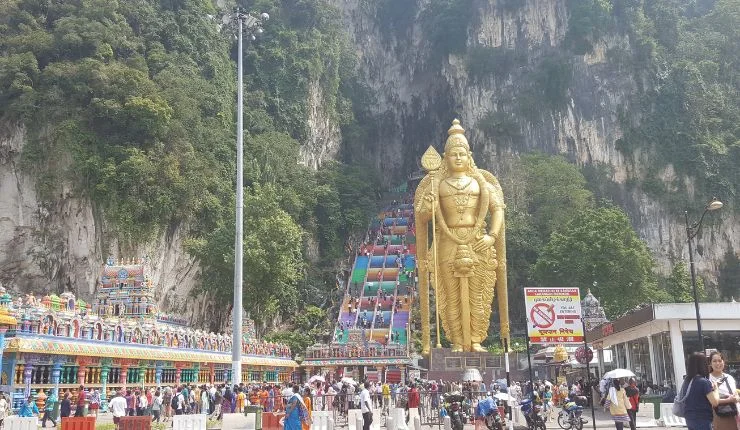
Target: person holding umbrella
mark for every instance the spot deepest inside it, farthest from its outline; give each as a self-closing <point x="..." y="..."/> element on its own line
<point x="618" y="404"/>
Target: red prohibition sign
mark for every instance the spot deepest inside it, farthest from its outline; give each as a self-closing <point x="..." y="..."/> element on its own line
<point x="542" y="315"/>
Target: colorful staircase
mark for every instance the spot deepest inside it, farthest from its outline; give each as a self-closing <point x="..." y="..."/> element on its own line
<point x="379" y="293"/>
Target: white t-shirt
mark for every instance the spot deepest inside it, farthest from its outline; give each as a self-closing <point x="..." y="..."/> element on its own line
<point x="118" y="406"/>
<point x="365" y="400"/>
<point x="723" y="391"/>
<point x="143" y="402"/>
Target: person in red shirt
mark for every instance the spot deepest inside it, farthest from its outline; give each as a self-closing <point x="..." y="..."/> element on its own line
<point x="414" y="399"/>
<point x="633" y="395"/>
<point x="81" y="396"/>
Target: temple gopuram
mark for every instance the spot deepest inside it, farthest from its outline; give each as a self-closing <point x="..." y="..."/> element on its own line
<point x="57" y="343"/>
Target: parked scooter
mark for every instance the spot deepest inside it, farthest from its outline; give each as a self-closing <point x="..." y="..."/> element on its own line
<point x="533" y="415"/>
<point x="454" y="405"/>
<point x="488" y="410"/>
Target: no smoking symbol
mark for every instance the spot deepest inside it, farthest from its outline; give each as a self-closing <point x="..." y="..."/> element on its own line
<point x="542" y="315"/>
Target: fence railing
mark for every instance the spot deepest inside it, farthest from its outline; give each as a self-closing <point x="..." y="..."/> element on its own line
<point x="429" y="408"/>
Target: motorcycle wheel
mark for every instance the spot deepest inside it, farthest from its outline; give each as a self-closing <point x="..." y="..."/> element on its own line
<point x="541" y="425"/>
<point x="491" y="423"/>
<point x="578" y="424"/>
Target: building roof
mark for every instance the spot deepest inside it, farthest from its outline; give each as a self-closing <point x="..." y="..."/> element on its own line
<point x="729" y="311"/>
<point x="63" y="346"/>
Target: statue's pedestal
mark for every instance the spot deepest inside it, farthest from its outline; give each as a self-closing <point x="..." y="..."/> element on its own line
<point x="449" y="366"/>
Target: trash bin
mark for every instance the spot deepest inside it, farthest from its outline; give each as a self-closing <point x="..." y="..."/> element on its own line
<point x="655" y="400"/>
<point x="257" y="411"/>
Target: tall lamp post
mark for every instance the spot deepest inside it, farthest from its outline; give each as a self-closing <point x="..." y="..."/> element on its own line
<point x="252" y="25"/>
<point x="691" y="231"/>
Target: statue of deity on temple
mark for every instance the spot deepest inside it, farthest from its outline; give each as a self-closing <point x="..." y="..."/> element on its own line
<point x="465" y="259"/>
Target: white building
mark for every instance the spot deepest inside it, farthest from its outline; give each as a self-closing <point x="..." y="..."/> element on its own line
<point x="654" y="341"/>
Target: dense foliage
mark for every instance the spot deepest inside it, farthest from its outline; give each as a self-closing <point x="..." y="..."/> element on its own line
<point x="688" y="55"/>
<point x="133" y="103"/>
<point x="558" y="234"/>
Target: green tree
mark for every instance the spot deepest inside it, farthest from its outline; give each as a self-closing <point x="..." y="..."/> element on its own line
<point x="542" y="193"/>
<point x="555" y="191"/>
<point x="678" y="285"/>
<point x="598" y="249"/>
<point x="310" y="325"/>
<point x="273" y="260"/>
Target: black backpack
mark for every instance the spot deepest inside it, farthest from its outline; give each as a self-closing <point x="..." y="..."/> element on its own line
<point x="175" y="401"/>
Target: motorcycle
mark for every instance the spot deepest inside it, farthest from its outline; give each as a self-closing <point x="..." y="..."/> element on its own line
<point x="570" y="417"/>
<point x="533" y="415"/>
<point x="488" y="410"/>
<point x="455" y="410"/>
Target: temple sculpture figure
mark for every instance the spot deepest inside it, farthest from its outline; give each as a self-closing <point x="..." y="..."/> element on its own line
<point x="465" y="260"/>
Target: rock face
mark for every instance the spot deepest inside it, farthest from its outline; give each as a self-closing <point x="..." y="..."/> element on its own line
<point x="61" y="245"/>
<point x="418" y="95"/>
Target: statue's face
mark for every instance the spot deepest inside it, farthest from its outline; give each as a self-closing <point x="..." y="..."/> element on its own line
<point x="458" y="159"/>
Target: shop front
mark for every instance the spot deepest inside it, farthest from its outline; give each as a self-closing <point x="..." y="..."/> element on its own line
<point x="653" y="341"/>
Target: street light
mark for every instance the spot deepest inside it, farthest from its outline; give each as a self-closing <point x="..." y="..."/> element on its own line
<point x="691" y="232"/>
<point x="252" y="25"/>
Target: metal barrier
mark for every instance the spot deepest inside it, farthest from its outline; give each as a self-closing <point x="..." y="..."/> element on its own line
<point x="78" y="423"/>
<point x="189" y="422"/>
<point x="14" y="422"/>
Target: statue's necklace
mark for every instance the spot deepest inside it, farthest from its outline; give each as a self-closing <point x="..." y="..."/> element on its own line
<point x="462" y="199"/>
<point x="458" y="184"/>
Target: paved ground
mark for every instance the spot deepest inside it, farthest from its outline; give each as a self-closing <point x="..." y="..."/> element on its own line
<point x="603" y="421"/>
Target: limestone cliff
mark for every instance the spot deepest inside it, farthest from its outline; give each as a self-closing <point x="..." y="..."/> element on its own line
<point x="60" y="245"/>
<point x="418" y="94"/>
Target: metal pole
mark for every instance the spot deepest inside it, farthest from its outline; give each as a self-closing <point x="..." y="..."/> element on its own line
<point x="689" y="235"/>
<point x="588" y="375"/>
<point x="236" y="344"/>
<point x="529" y="364"/>
<point x="508" y="381"/>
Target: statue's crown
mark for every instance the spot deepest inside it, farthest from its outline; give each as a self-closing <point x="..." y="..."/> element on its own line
<point x="456" y="137"/>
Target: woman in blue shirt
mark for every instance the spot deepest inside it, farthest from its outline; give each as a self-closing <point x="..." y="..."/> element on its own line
<point x="702" y="394"/>
<point x="29" y="409"/>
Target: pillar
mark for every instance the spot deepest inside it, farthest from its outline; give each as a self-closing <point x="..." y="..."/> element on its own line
<point x="104" y="369"/>
<point x="81" y="373"/>
<point x="27" y="372"/>
<point x="158" y="373"/>
<point x="677" y="353"/>
<point x="123" y="378"/>
<point x="178" y="374"/>
<point x="212" y="371"/>
<point x="2" y="348"/>
<point x="651" y="352"/>
<point x="56" y="373"/>
<point x="627" y="355"/>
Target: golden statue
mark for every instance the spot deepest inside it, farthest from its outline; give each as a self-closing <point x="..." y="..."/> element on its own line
<point x="466" y="259"/>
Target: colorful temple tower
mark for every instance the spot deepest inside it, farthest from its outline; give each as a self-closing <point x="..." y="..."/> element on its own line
<point x="119" y="341"/>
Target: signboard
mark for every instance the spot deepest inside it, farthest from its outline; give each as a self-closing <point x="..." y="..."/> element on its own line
<point x="553" y="315"/>
<point x="584" y="355"/>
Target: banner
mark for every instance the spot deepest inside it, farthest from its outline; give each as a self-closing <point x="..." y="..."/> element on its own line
<point x="553" y="315"/>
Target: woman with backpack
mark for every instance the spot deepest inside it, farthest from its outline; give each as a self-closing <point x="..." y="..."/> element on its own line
<point x="725" y="415"/>
<point x="698" y="394"/>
